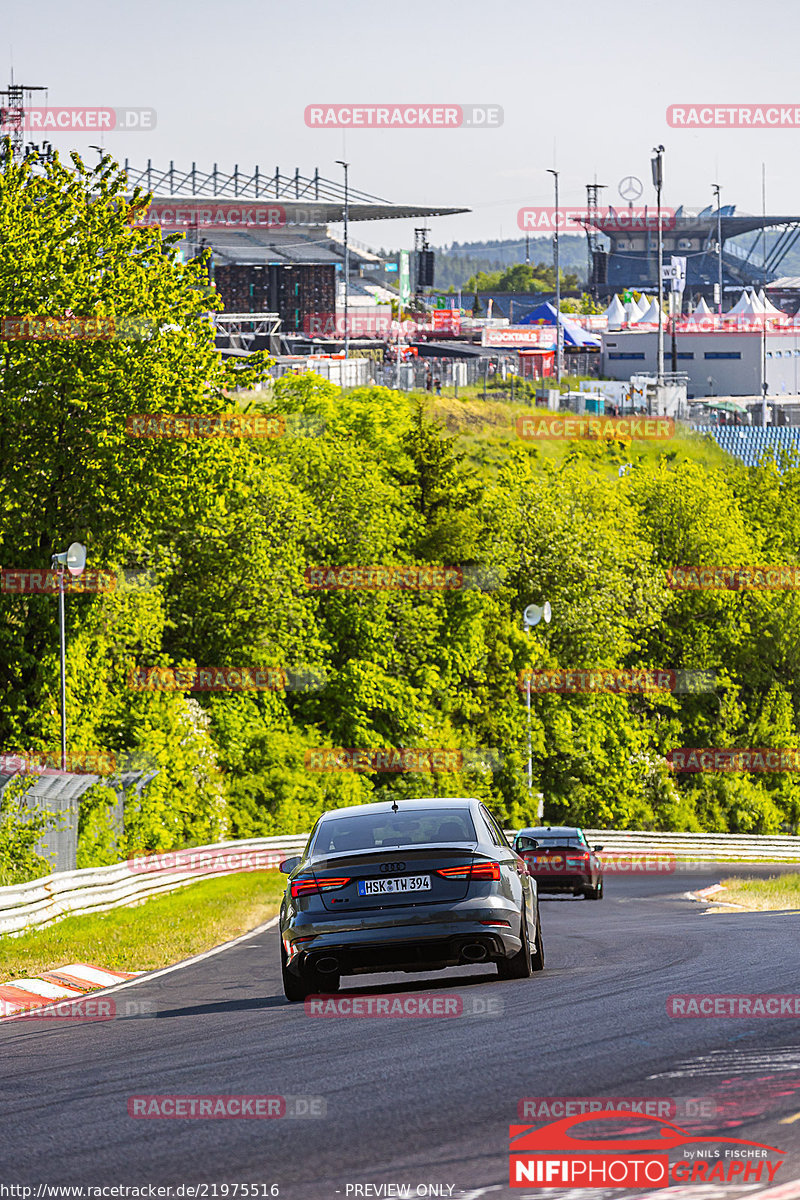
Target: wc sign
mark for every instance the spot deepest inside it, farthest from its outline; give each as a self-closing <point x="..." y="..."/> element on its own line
<point x="675" y="273"/>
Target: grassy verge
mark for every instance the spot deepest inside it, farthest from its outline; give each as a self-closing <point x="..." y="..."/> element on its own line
<point x="153" y="934"/>
<point x="776" y="892"/>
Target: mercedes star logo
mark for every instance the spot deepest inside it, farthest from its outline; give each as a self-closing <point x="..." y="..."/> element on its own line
<point x="630" y="188"/>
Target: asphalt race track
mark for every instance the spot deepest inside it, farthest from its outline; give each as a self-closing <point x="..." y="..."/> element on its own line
<point x="417" y="1101"/>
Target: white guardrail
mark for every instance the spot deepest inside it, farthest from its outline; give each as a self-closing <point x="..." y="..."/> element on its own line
<point x="707" y="847"/>
<point x="96" y="889"/>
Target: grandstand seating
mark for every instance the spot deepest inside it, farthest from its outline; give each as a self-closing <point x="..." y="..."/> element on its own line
<point x="748" y="443"/>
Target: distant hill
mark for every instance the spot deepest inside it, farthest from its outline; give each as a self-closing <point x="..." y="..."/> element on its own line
<point x="457" y="262"/>
<point x="460" y="260"/>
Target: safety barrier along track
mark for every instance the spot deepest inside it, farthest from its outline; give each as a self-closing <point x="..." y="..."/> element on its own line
<point x="699" y="846"/>
<point x="96" y="889"/>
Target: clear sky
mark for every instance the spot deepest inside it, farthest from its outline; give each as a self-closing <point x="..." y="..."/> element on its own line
<point x="584" y="86"/>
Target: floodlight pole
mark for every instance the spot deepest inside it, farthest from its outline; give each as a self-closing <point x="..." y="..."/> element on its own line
<point x="716" y="190"/>
<point x="531" y="616"/>
<point x="554" y="173"/>
<point x="527" y="627"/>
<point x="75" y="560"/>
<point x="530" y="749"/>
<point x="764" y="284"/>
<point x="346" y="259"/>
<point x="63" y="662"/>
<point x="658" y="179"/>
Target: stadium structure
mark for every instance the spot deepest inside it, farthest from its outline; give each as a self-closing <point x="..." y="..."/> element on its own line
<point x="277" y="265"/>
<point x="631" y="259"/>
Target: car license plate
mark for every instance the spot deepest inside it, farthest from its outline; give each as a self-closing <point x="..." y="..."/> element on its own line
<point x="388" y="887"/>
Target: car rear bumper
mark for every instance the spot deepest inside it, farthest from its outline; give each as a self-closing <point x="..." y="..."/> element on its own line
<point x="403" y="938"/>
<point x="562" y="883"/>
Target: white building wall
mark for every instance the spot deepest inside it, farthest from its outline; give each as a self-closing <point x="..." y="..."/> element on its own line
<point x="707" y="359"/>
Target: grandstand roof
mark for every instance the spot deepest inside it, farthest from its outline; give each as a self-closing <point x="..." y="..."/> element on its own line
<point x="305" y="200"/>
<point x="613" y="221"/>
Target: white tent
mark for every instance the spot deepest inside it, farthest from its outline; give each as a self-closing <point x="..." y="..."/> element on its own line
<point x="644" y="304"/>
<point x="632" y="313"/>
<point x="615" y="313"/>
<point x="746" y="305"/>
<point x="702" y="309"/>
<point x="651" y="316"/>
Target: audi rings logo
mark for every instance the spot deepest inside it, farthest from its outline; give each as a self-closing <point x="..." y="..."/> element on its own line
<point x="398" y="866"/>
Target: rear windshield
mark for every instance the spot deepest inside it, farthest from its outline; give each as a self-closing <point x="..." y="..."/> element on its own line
<point x="371" y="831"/>
<point x="560" y="841"/>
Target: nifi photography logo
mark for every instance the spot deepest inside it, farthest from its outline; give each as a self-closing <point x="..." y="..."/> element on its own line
<point x="553" y="1156"/>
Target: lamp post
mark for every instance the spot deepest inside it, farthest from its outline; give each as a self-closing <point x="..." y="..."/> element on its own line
<point x="764" y="284"/>
<point x="658" y="180"/>
<point x="532" y="616"/>
<point x="346" y="260"/>
<point x="716" y="190"/>
<point x="74" y="560"/>
<point x="554" y="173"/>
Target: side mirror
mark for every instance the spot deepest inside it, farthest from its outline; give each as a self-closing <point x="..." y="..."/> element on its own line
<point x="525" y="843"/>
<point x="597" y="848"/>
<point x="289" y="864"/>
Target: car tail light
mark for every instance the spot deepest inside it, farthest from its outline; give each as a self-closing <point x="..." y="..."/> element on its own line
<point x="505" y="924"/>
<point x="293" y="948"/>
<point x="306" y="887"/>
<point x="472" y="871"/>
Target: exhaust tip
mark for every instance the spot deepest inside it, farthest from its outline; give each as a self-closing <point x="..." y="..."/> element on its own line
<point x="327" y="966"/>
<point x="474" y="952"/>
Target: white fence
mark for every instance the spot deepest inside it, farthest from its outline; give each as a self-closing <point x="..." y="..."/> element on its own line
<point x="96" y="889"/>
<point x="701" y="846"/>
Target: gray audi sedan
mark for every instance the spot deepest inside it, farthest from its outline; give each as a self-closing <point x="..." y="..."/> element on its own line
<point x="418" y="885"/>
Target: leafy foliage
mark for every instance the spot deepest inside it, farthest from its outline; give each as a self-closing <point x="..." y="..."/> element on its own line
<point x="212" y="540"/>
